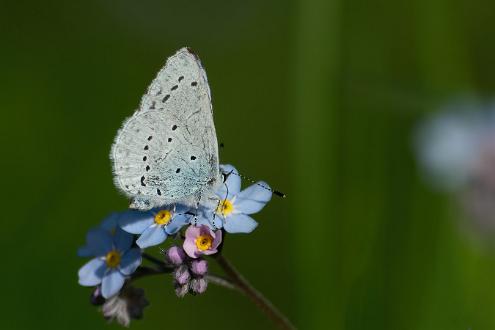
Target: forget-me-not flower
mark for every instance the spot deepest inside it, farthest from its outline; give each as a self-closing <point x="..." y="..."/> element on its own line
<point x="109" y="224"/>
<point x="155" y="225"/>
<point x="201" y="240"/>
<point x="114" y="260"/>
<point x="234" y="206"/>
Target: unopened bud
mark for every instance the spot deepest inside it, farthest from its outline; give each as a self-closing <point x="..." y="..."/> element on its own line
<point x="181" y="290"/>
<point x="199" y="267"/>
<point x="182" y="275"/>
<point x="175" y="255"/>
<point x="199" y="285"/>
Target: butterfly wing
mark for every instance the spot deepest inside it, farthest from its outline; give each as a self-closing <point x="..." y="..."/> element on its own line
<point x="167" y="152"/>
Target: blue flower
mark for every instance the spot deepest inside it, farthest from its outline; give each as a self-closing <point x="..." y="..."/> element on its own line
<point x="234" y="206"/>
<point x="155" y="225"/>
<point x="114" y="260"/>
<point x="109" y="224"/>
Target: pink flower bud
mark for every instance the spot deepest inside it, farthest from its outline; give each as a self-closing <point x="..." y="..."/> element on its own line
<point x="199" y="285"/>
<point x="175" y="255"/>
<point x="199" y="267"/>
<point x="182" y="275"/>
<point x="181" y="290"/>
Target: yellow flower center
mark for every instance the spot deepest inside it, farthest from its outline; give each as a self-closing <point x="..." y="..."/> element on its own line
<point x="225" y="208"/>
<point x="204" y="242"/>
<point x="163" y="217"/>
<point x="112" y="259"/>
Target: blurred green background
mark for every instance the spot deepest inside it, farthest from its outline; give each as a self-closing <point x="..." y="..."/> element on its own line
<point x="316" y="97"/>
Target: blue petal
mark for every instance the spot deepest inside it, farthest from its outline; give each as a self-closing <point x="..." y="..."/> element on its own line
<point x="240" y="223"/>
<point x="181" y="209"/>
<point x="177" y="222"/>
<point x="92" y="272"/>
<point x="110" y="222"/>
<point x="122" y="240"/>
<point x="154" y="235"/>
<point x="232" y="185"/>
<point x="130" y="261"/>
<point x="208" y="218"/>
<point x="135" y="222"/>
<point x="99" y="241"/>
<point x="84" y="251"/>
<point x="253" y="198"/>
<point x="112" y="283"/>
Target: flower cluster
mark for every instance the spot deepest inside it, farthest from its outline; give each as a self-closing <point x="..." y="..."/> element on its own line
<point x="117" y="245"/>
<point x="189" y="273"/>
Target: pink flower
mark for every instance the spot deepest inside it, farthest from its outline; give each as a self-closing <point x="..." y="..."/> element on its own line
<point x="201" y="240"/>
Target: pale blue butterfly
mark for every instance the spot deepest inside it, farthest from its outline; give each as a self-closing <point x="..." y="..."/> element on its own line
<point x="167" y="152"/>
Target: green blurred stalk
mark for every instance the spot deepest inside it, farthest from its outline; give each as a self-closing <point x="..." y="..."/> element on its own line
<point x="445" y="67"/>
<point x="315" y="101"/>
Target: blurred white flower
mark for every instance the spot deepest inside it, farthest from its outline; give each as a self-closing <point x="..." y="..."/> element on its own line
<point x="448" y="144"/>
<point x="456" y="150"/>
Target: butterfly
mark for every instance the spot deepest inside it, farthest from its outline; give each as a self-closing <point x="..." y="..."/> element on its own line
<point x="167" y="151"/>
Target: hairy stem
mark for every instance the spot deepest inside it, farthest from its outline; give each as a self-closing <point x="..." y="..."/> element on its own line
<point x="221" y="281"/>
<point x="157" y="262"/>
<point x="256" y="297"/>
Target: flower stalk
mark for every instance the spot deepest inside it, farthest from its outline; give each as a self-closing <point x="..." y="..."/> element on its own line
<point x="233" y="280"/>
<point x="254" y="295"/>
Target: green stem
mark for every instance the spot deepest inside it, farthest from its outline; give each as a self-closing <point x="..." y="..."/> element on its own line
<point x="256" y="297"/>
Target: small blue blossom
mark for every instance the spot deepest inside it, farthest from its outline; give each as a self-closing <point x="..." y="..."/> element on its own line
<point x="109" y="224"/>
<point x="114" y="260"/>
<point x="234" y="206"/>
<point x="155" y="225"/>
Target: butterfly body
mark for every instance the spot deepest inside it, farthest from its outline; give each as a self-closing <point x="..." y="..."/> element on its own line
<point x="167" y="152"/>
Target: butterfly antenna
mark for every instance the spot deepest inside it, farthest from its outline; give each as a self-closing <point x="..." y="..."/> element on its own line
<point x="221" y="201"/>
<point x="275" y="192"/>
